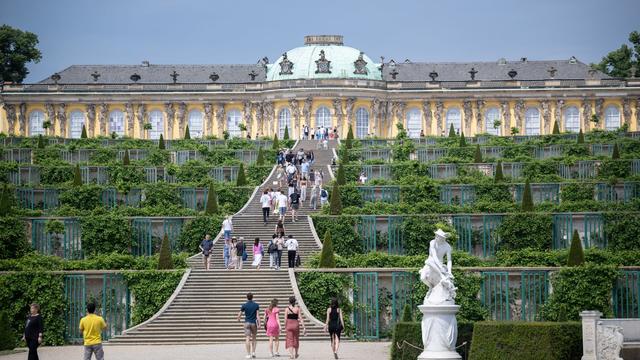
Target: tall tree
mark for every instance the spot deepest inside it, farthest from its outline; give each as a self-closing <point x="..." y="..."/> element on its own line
<point x="327" y="258"/>
<point x="340" y="177"/>
<point x="187" y="133"/>
<point x="463" y="141"/>
<point x="260" y="158"/>
<point x="285" y="136"/>
<point x="165" y="261"/>
<point x="212" y="201"/>
<point x="335" y="202"/>
<point x="477" y="156"/>
<point x="77" y="179"/>
<point x="83" y="134"/>
<point x="276" y="143"/>
<point x="498" y="176"/>
<point x="125" y="159"/>
<point x="161" y="142"/>
<point x="452" y="131"/>
<point x="17" y="48"/>
<point x="580" y="137"/>
<point x="556" y="128"/>
<point x="241" y="180"/>
<point x="623" y="61"/>
<point x="527" y="198"/>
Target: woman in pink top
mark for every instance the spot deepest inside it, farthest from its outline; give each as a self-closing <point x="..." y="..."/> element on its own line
<point x="258" y="251"/>
<point x="272" y="324"/>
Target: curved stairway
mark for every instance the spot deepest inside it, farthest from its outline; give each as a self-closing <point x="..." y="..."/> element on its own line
<point x="205" y="305"/>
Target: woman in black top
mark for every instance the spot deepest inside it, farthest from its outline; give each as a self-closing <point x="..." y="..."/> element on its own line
<point x="33" y="331"/>
<point x="335" y="325"/>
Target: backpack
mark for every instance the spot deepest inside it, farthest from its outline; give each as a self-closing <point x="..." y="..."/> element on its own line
<point x="272" y="248"/>
<point x="324" y="193"/>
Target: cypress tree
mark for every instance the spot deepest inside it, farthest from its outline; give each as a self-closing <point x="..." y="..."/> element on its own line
<point x="165" y="262"/>
<point x="83" y="135"/>
<point x="556" y="128"/>
<point x="327" y="258"/>
<point x="580" y="137"/>
<point x="348" y="144"/>
<point x="576" y="253"/>
<point x="452" y="131"/>
<point x="161" y="142"/>
<point x="242" y="179"/>
<point x="285" y="136"/>
<point x="340" y="177"/>
<point x="77" y="179"/>
<point x="407" y="314"/>
<point x="40" y="142"/>
<point x="260" y="159"/>
<point x="477" y="157"/>
<point x="212" y="201"/>
<point x="498" y="176"/>
<point x="276" y="143"/>
<point x="7" y="336"/>
<point x="350" y="133"/>
<point x="616" y="152"/>
<point x="187" y="134"/>
<point x="125" y="158"/>
<point x="5" y="206"/>
<point x="527" y="199"/>
<point x="335" y="201"/>
<point x="463" y="141"/>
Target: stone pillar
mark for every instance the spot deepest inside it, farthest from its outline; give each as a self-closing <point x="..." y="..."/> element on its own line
<point x="468" y="116"/>
<point x="247" y="116"/>
<point x="142" y="119"/>
<point x="130" y="118"/>
<point x="61" y="115"/>
<point x="506" y="117"/>
<point x="349" y="106"/>
<point x="102" y="118"/>
<point x="626" y="111"/>
<point x="181" y="115"/>
<point x="519" y="113"/>
<point x="546" y="116"/>
<point x="337" y="109"/>
<point x="480" y="127"/>
<point x="208" y="118"/>
<point x="375" y="115"/>
<point x="295" y="119"/>
<point x="557" y="112"/>
<point x="22" y="119"/>
<point x="219" y="114"/>
<point x="91" y="118"/>
<point x="426" y="113"/>
<point x="169" y="115"/>
<point x="586" y="114"/>
<point x="268" y="114"/>
<point x="439" y="110"/>
<point x="306" y="112"/>
<point x="589" y="334"/>
<point x="10" y="109"/>
<point x="51" y="118"/>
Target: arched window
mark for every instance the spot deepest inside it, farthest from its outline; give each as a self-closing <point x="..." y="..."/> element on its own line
<point x="362" y="123"/>
<point x="36" y="119"/>
<point x="195" y="124"/>
<point x="490" y="117"/>
<point x="414" y="123"/>
<point x="156" y="118"/>
<point x="77" y="120"/>
<point x="532" y="121"/>
<point x="572" y="119"/>
<point x="323" y="117"/>
<point x="284" y="120"/>
<point x="234" y="119"/>
<point x="611" y="118"/>
<point x="116" y="122"/>
<point x="453" y="117"/>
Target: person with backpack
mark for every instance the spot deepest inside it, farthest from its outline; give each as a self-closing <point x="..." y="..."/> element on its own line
<point x="324" y="197"/>
<point x="272" y="250"/>
<point x="295" y="205"/>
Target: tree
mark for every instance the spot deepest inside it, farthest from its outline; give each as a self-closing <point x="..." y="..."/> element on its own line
<point x="5" y="204"/>
<point x="7" y="336"/>
<point x="350" y="133"/>
<point x="514" y="131"/>
<point x="187" y="134"/>
<point x="260" y="158"/>
<point x="40" y="142"/>
<point x="580" y="137"/>
<point x="285" y="136"/>
<point x="407" y="314"/>
<point x="77" y="179"/>
<point x="212" y="201"/>
<point x="340" y="177"/>
<point x="556" y="128"/>
<point x="624" y="61"/>
<point x="463" y="141"/>
<point x="616" y="152"/>
<point x="161" y="142"/>
<point x="477" y="157"/>
<point x="335" y="204"/>
<point x="276" y="143"/>
<point x="327" y="257"/>
<point x="83" y="135"/>
<point x="595" y="119"/>
<point x="165" y="262"/>
<point x="498" y="176"/>
<point x="242" y="178"/>
<point x="452" y="131"/>
<point x="17" y="48"/>
<point x="576" y="253"/>
<point x="125" y="158"/>
<point x="527" y="198"/>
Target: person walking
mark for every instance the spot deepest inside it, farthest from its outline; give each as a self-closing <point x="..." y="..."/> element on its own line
<point x="241" y="251"/>
<point x="226" y="254"/>
<point x="205" y="247"/>
<point x="265" y="200"/>
<point x="313" y="201"/>
<point x="272" y="326"/>
<point x="251" y="324"/>
<point x="91" y="326"/>
<point x="316" y="177"/>
<point x="258" y="252"/>
<point x="283" y="201"/>
<point x="324" y="197"/>
<point x="292" y="248"/>
<point x="292" y="326"/>
<point x="279" y="230"/>
<point x="280" y="243"/>
<point x="295" y="205"/>
<point x="303" y="189"/>
<point x="334" y="324"/>
<point x="227" y="227"/>
<point x="272" y="250"/>
<point x="33" y="331"/>
<point x="231" y="248"/>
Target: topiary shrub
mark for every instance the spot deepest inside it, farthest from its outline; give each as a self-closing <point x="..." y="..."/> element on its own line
<point x="580" y="137"/>
<point x="317" y="290"/>
<point x="276" y="143"/>
<point x="418" y="230"/>
<point x="161" y="142"/>
<point x="527" y="198"/>
<point x="77" y="179"/>
<point x="106" y="233"/>
<point x="452" y="131"/>
<point x="615" y="155"/>
<point x="165" y="262"/>
<point x="125" y="158"/>
<point x="327" y="257"/>
<point x="83" y="135"/>
<point x="556" y="128"/>
<point x="13" y="238"/>
<point x="345" y="239"/>
<point x="187" y="134"/>
<point x="407" y="313"/>
<point x="576" y="253"/>
<point x="335" y="203"/>
<point x="195" y="230"/>
<point x="463" y="141"/>
<point x="5" y="204"/>
<point x="41" y="144"/>
<point x="477" y="156"/>
<point x="285" y="136"/>
<point x="151" y="289"/>
<point x="340" y="178"/>
<point x="623" y="231"/>
<point x="576" y="192"/>
<point x="212" y="201"/>
<point x="260" y="158"/>
<point x="498" y="177"/>
<point x="241" y="180"/>
<point x="85" y="197"/>
<point x="7" y="335"/>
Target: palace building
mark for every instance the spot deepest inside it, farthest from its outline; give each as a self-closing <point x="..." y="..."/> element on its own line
<point x="322" y="83"/>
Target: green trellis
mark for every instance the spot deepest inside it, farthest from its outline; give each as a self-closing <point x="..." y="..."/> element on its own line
<point x="626" y="295"/>
<point x="490" y="236"/>
<point x="142" y="232"/>
<point x="401" y="291"/>
<point x="594" y="235"/>
<point x="395" y="235"/>
<point x="534" y="291"/>
<point x="463" y="226"/>
<point x="108" y="198"/>
<point x="75" y="288"/>
<point x="494" y="294"/>
<point x="68" y="246"/>
<point x="188" y="196"/>
<point x="562" y="230"/>
<point x="367" y="232"/>
<point x="366" y="312"/>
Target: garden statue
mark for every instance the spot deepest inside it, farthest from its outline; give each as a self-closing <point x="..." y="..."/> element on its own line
<point x="438" y="278"/>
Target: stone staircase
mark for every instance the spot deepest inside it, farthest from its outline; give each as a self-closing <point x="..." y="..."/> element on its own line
<point x="204" y="307"/>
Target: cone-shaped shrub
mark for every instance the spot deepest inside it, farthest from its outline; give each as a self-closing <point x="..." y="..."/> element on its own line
<point x="452" y="131"/>
<point x="125" y="158"/>
<point x="340" y="177"/>
<point x="616" y="152"/>
<point x="187" y="134"/>
<point x="498" y="177"/>
<point x="40" y="142"/>
<point x="242" y="178"/>
<point x="556" y="128"/>
<point x="165" y="262"/>
<point x="161" y="142"/>
<point x="477" y="156"/>
<point x="335" y="204"/>
<point x="212" y="201"/>
<point x="285" y="136"/>
<point x="7" y="336"/>
<point x="350" y="133"/>
<point x="576" y="253"/>
<point x="5" y="206"/>
<point x="276" y="143"/>
<point x="327" y="258"/>
<point x="580" y="137"/>
<point x="260" y="158"/>
<point x="77" y="179"/>
<point x="348" y="144"/>
<point x="407" y="313"/>
<point x="83" y="135"/>
<point x="527" y="199"/>
<point x="463" y="141"/>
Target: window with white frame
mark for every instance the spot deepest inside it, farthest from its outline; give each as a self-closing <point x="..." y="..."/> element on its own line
<point x="75" y="125"/>
<point x="323" y="117"/>
<point x="453" y="117"/>
<point x="362" y="123"/>
<point x="196" y="126"/>
<point x="116" y="122"/>
<point x="156" y="118"/>
<point x="414" y="123"/>
<point x="234" y="119"/>
<point x="490" y="117"/>
<point x="284" y="121"/>
<point x="532" y="121"/>
<point x="572" y="119"/>
<point x="36" y="119"/>
<point x="611" y="118"/>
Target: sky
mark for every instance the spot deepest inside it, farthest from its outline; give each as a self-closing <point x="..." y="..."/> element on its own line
<point x="241" y="31"/>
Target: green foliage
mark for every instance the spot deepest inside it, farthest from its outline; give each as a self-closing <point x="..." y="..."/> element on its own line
<point x="151" y="289"/>
<point x="616" y="152"/>
<point x="556" y="128"/>
<point x="77" y="179"/>
<point x="327" y="257"/>
<point x="86" y="197"/>
<point x="346" y="241"/>
<point x="452" y="132"/>
<point x="125" y="159"/>
<point x="7" y="335"/>
<point x="340" y="178"/>
<point x="195" y="230"/>
<point x="187" y="134"/>
<point x="161" y="195"/>
<point x="407" y="313"/>
<point x="335" y="203"/>
<point x="5" y="203"/>
<point x="622" y="231"/>
<point x="576" y="253"/>
<point x="212" y="201"/>
<point x="317" y="290"/>
<point x="526" y="341"/>
<point x="621" y="62"/>
<point x="41" y="144"/>
<point x="580" y="137"/>
<point x="83" y="135"/>
<point x="418" y="230"/>
<point x="260" y="159"/>
<point x="577" y="192"/>
<point x="18" y="49"/>
<point x="12" y="237"/>
<point x="285" y="136"/>
<point x="463" y="141"/>
<point x="276" y="143"/>
<point x="477" y="156"/>
<point x="161" y="142"/>
<point x="514" y="131"/>
<point x="106" y="233"/>
<point x="241" y="180"/>
<point x="521" y="231"/>
<point x="53" y="226"/>
<point x="381" y="259"/>
<point x="411" y="332"/>
<point x="111" y="261"/>
<point x="527" y="198"/>
<point x="349" y="136"/>
<point x="165" y="262"/>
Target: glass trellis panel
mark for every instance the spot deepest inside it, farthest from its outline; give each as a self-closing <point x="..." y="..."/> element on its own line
<point x="377" y="171"/>
<point x="390" y="194"/>
<point x="50" y="199"/>
<point x="548" y="193"/>
<point x="631" y="191"/>
<point x="446" y="196"/>
<point x="606" y="192"/>
<point x="430" y="154"/>
<point x="401" y="291"/>
<point x="75" y="290"/>
<point x="72" y="248"/>
<point x="594" y="235"/>
<point x="490" y="236"/>
<point x="369" y="154"/>
<point x="564" y="170"/>
<point x="562" y="230"/>
<point x="367" y="232"/>
<point x="41" y="241"/>
<point x="463" y="226"/>
<point x="467" y="194"/>
<point x="151" y="174"/>
<point x="494" y="294"/>
<point x="366" y="313"/>
<point x="635" y="167"/>
<point x="443" y="171"/>
<point x="626" y="295"/>
<point x="108" y="198"/>
<point x="492" y="151"/>
<point x="172" y="228"/>
<point x="188" y="196"/>
<point x="534" y="291"/>
<point x="395" y="235"/>
<point x="26" y="198"/>
<point x="134" y="197"/>
<point x="512" y="170"/>
<point x="25" y="175"/>
<point x="116" y="301"/>
<point x="586" y="169"/>
<point x="550" y="151"/>
<point x="367" y="193"/>
<point x="601" y="149"/>
<point x="17" y="155"/>
<point x="217" y="174"/>
<point x="142" y="232"/>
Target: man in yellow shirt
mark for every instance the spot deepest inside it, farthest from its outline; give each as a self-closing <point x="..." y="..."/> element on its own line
<point x="91" y="327"/>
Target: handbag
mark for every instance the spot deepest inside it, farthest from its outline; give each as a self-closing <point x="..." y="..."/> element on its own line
<point x="298" y="260"/>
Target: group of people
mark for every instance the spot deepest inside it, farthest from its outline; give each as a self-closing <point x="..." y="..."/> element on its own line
<point x="320" y="133"/>
<point x="293" y="321"/>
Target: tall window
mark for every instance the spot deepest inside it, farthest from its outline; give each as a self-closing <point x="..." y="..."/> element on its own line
<point x="490" y="117"/>
<point x="36" y="119"/>
<point x="284" y="120"/>
<point x="77" y="120"/>
<point x="414" y="123"/>
<point x="532" y="121"/>
<point x="453" y="117"/>
<point x="323" y="117"/>
<point x="195" y="124"/>
<point x="234" y="118"/>
<point x="611" y="118"/>
<point x="116" y="122"/>
<point x="156" y="118"/>
<point x="572" y="119"/>
<point x="362" y="123"/>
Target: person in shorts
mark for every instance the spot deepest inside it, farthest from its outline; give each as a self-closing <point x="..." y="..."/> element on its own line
<point x="91" y="327"/>
<point x="251" y="324"/>
<point x="294" y="200"/>
<point x="205" y="247"/>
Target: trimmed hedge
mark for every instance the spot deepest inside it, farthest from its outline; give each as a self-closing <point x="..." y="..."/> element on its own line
<point x="526" y="340"/>
<point x="411" y="332"/>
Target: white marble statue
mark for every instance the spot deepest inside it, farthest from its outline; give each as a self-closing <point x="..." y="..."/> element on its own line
<point x="438" y="278"/>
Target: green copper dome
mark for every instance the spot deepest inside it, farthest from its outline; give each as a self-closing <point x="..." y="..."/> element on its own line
<point x="306" y="62"/>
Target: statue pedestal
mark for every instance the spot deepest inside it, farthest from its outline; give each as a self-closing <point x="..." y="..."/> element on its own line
<point x="439" y="331"/>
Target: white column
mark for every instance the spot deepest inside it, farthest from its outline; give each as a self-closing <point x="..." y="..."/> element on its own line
<point x="589" y="334"/>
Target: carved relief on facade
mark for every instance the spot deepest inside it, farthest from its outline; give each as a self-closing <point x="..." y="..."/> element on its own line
<point x="142" y="118"/>
<point x="247" y="116"/>
<point x="219" y="114"/>
<point x="546" y="115"/>
<point x="306" y="111"/>
<point x="558" y="112"/>
<point x="61" y="114"/>
<point x="626" y="110"/>
<point x="268" y="111"/>
<point x="349" y="106"/>
<point x="468" y="116"/>
<point x="637" y="112"/>
<point x="385" y="114"/>
<point x="22" y="119"/>
<point x="586" y="114"/>
<point x="169" y="114"/>
<point x="51" y="117"/>
<point x="610" y="339"/>
<point x="426" y="112"/>
<point x="375" y="113"/>
<point x="598" y="108"/>
<point x="258" y="109"/>
<point x="128" y="111"/>
<point x="208" y="118"/>
<point x="506" y="116"/>
<point x="102" y="118"/>
<point x="438" y="114"/>
<point x="519" y="113"/>
<point x="10" y="109"/>
<point x="91" y="118"/>
<point x="337" y="110"/>
<point x="181" y="115"/>
<point x="295" y="117"/>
